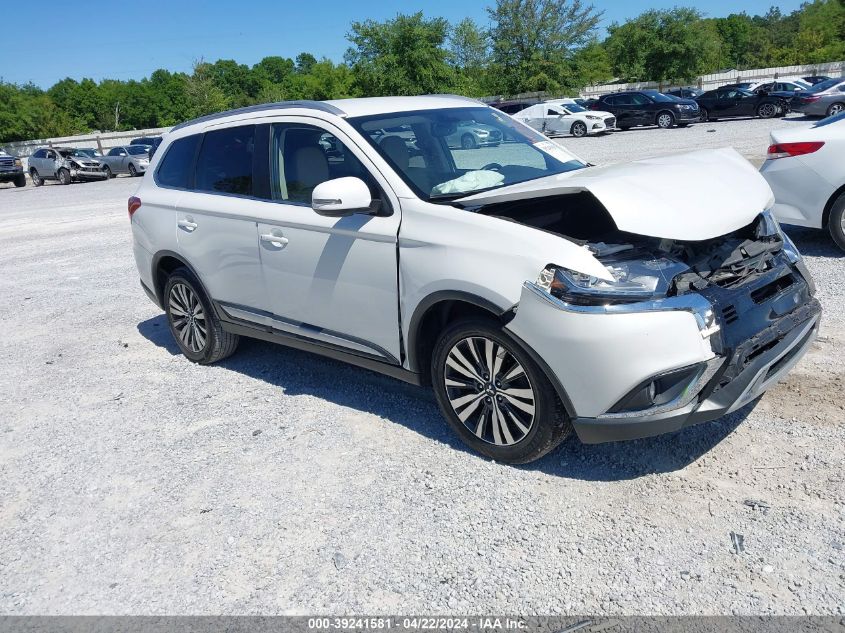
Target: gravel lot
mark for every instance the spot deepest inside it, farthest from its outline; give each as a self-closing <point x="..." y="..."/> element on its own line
<point x="133" y="482"/>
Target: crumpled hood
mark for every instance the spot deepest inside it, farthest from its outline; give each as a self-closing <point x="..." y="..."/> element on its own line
<point x="691" y="196"/>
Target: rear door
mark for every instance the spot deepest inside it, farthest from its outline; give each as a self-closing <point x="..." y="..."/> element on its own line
<point x="215" y="217"/>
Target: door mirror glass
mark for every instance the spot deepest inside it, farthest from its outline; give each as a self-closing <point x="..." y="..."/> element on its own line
<point x="341" y="197"/>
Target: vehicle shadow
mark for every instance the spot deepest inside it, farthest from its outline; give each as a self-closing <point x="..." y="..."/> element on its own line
<point x="302" y="373"/>
<point x="813" y="242"/>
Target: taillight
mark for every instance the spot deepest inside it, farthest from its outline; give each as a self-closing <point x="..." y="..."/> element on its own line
<point x="785" y="150"/>
<point x="810" y="99"/>
<point x="134" y="205"/>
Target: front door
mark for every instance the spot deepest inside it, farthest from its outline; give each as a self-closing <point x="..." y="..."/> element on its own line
<point x="333" y="280"/>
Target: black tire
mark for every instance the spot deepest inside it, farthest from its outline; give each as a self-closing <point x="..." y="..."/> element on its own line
<point x="579" y="129"/>
<point x="217" y="344"/>
<point x="836" y="221"/>
<point x="703" y="115"/>
<point x="107" y="170"/>
<point x="37" y="180"/>
<point x="64" y="176"/>
<point x="836" y="108"/>
<point x="665" y="119"/>
<point x="510" y="441"/>
<point x="468" y="141"/>
<point x="132" y="171"/>
<point x="20" y="180"/>
<point x="624" y="128"/>
<point x="767" y="110"/>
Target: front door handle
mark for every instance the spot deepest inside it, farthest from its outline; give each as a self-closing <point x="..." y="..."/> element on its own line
<point x="187" y="225"/>
<point x="279" y="241"/>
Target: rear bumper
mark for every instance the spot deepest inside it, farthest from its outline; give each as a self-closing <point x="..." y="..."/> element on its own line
<point x="741" y="378"/>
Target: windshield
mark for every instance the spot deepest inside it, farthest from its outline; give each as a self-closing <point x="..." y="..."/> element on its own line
<point x="84" y="152"/>
<point x="137" y="150"/>
<point x="574" y="107"/>
<point x="659" y="96"/>
<point x="827" y="83"/>
<point x="448" y="153"/>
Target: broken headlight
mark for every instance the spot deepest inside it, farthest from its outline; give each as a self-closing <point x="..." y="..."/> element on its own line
<point x="633" y="280"/>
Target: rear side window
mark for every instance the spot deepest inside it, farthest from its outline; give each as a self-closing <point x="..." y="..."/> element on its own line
<point x="224" y="164"/>
<point x="175" y="167"/>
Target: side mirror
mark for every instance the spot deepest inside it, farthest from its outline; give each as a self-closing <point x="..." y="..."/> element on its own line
<point x="342" y="197"/>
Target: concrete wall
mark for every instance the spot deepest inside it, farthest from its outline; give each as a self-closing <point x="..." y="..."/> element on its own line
<point x="103" y="141"/>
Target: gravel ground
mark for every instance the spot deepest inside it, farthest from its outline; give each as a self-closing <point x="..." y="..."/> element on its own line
<point x="134" y="482"/>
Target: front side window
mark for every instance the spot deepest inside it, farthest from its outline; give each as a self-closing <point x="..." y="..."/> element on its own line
<point x="175" y="168"/>
<point x="303" y="156"/>
<point x="451" y="152"/>
<point x="224" y="164"/>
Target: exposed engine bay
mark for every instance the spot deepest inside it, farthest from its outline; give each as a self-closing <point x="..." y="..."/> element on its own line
<point x="679" y="266"/>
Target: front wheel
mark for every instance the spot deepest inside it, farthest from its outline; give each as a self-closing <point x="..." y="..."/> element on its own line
<point x="703" y="115"/>
<point x="494" y="396"/>
<point x="108" y="172"/>
<point x="193" y="323"/>
<point x="468" y="141"/>
<point x="37" y="180"/>
<point x="836" y="108"/>
<point x="836" y="222"/>
<point x="579" y="129"/>
<point x="665" y="120"/>
<point x="132" y="171"/>
<point x="767" y="110"/>
<point x="20" y="180"/>
<point x="64" y="176"/>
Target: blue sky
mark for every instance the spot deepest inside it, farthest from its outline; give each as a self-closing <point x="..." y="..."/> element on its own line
<point x="130" y="40"/>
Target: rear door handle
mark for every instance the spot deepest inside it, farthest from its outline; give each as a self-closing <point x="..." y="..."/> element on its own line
<point x="187" y="225"/>
<point x="279" y="241"/>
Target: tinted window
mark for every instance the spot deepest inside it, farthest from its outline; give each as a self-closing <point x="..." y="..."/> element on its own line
<point x="640" y="100"/>
<point x="115" y="152"/>
<point x="137" y="150"/>
<point x="175" y="167"/>
<point x="39" y="154"/>
<point x="303" y="156"/>
<point x="224" y="163"/>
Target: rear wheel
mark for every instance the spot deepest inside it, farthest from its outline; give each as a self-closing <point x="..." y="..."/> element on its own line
<point x="767" y="110"/>
<point x="665" y="120"/>
<point x="20" y="180"/>
<point x="495" y="397"/>
<point x="836" y="222"/>
<point x="196" y="328"/>
<point x="579" y="129"/>
<point x="37" y="180"/>
<point x="836" y="108"/>
<point x="64" y="176"/>
<point x="132" y="171"/>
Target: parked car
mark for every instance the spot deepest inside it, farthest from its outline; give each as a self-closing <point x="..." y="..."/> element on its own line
<point x="647" y="107"/>
<point x="126" y="159"/>
<point x="826" y="98"/>
<point x="534" y="294"/>
<point x="11" y="169"/>
<point x="152" y="143"/>
<point x="64" y="164"/>
<point x="90" y="152"/>
<point x="815" y="79"/>
<point x="742" y="85"/>
<point x="471" y="134"/>
<point x="724" y="103"/>
<point x="565" y="117"/>
<point x="514" y="106"/>
<point x="806" y="171"/>
<point x="585" y="103"/>
<point x="782" y="87"/>
<point x="686" y="93"/>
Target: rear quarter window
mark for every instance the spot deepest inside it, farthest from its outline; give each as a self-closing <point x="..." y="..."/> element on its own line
<point x="175" y="167"/>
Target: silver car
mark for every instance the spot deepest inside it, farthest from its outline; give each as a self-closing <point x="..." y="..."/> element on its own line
<point x="824" y="99"/>
<point x="470" y="134"/>
<point x="126" y="159"/>
<point x="64" y="164"/>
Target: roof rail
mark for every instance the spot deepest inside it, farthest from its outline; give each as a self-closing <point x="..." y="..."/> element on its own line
<point x="261" y="107"/>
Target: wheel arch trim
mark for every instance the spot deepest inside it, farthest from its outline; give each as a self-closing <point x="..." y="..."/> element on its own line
<point x="828" y="207"/>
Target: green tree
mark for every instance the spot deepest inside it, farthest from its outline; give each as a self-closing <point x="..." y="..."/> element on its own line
<point x="591" y="64"/>
<point x="203" y="95"/>
<point x="671" y="45"/>
<point x="821" y="32"/>
<point x="402" y="56"/>
<point x="533" y="42"/>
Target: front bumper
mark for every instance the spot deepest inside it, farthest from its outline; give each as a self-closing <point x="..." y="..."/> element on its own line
<point x="8" y="175"/>
<point x="88" y="174"/>
<point x="688" y="116"/>
<point x="737" y="382"/>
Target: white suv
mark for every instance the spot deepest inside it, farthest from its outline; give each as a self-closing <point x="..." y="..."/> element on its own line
<point x="535" y="293"/>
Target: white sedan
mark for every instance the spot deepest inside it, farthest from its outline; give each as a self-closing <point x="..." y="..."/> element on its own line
<point x="805" y="168"/>
<point x="565" y="117"/>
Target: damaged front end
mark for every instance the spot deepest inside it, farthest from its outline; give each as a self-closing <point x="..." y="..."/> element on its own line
<point x="748" y="293"/>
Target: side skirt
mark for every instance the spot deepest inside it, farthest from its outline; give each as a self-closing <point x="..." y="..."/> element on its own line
<point x="324" y="349"/>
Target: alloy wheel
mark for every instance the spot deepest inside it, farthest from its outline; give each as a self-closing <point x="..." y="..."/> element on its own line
<point x="188" y="317"/>
<point x="489" y="391"/>
<point x="664" y="120"/>
<point x="767" y="110"/>
<point x="836" y="108"/>
<point x="579" y="129"/>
